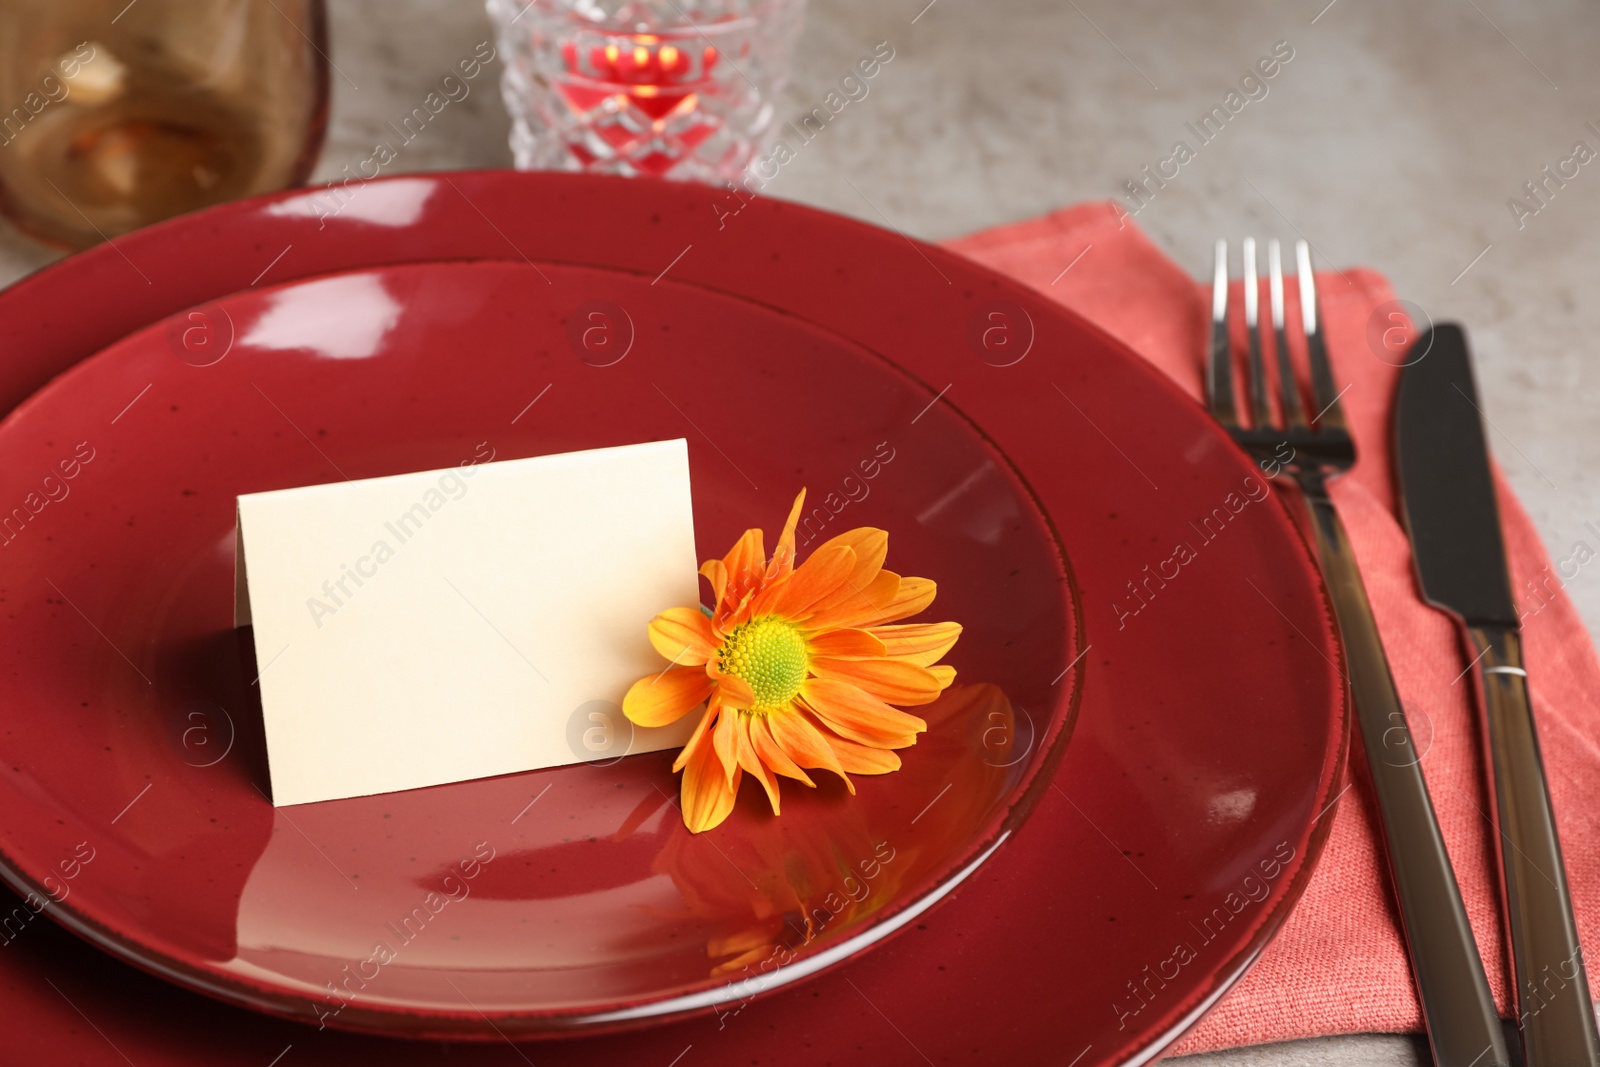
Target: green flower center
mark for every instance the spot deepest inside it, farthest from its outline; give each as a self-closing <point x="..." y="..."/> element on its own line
<point x="770" y="654"/>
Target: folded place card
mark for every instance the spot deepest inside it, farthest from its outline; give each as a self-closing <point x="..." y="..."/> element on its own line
<point x="478" y="620"/>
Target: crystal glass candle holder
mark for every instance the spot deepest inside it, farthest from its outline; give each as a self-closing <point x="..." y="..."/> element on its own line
<point x="666" y="88"/>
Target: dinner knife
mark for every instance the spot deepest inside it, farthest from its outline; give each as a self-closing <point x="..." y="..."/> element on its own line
<point x="1448" y="499"/>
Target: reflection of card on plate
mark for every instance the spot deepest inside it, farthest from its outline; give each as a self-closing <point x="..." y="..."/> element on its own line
<point x="461" y="623"/>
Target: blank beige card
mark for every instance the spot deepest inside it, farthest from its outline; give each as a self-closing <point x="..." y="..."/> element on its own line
<point x="461" y="623"/>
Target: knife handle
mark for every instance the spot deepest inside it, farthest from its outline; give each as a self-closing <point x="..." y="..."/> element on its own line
<point x="1457" y="1008"/>
<point x="1552" y="1001"/>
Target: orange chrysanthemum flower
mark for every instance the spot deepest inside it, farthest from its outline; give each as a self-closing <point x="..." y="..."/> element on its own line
<point x="798" y="667"/>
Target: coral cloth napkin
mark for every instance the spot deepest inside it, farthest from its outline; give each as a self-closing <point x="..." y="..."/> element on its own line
<point x="1339" y="965"/>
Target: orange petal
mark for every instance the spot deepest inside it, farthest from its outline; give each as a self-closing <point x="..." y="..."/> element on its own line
<point x="895" y="681"/>
<point x="913" y="596"/>
<point x="871" y="547"/>
<point x="746" y="567"/>
<point x="945" y="673"/>
<point x="750" y="760"/>
<point x="846" y="644"/>
<point x="770" y="752"/>
<point x="859" y="759"/>
<point x="715" y="572"/>
<point x="804" y="743"/>
<point x="746" y="556"/>
<point x="736" y="613"/>
<point x="782" y="562"/>
<point x="823" y="573"/>
<point x="859" y="716"/>
<point x="910" y="596"/>
<point x="725" y="742"/>
<point x="857" y="605"/>
<point x="664" y="698"/>
<point x="923" y="643"/>
<point x="683" y="635"/>
<point x="707" y="795"/>
<point x="734" y="691"/>
<point x="701" y="728"/>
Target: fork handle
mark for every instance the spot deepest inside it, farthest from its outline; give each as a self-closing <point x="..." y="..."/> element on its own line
<point x="1557" y="1018"/>
<point x="1457" y="1007"/>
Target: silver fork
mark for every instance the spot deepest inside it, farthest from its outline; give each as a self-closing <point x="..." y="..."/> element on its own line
<point x="1463" y="1028"/>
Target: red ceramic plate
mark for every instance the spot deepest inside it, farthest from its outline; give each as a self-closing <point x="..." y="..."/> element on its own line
<point x="413" y="912"/>
<point x="1166" y="847"/>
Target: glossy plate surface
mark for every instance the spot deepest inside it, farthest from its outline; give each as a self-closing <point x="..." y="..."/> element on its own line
<point x="1165" y="849"/>
<point x="557" y="899"/>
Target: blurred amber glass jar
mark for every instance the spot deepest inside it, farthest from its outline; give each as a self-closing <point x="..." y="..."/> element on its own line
<point x="115" y="115"/>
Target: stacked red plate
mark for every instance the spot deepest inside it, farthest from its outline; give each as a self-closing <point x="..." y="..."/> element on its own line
<point x="1112" y="810"/>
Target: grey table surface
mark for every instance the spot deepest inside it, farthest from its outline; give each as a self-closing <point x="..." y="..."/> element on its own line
<point x="1395" y="138"/>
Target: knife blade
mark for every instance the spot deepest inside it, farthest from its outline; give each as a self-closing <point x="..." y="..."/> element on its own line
<point x="1448" y="491"/>
<point x="1448" y="501"/>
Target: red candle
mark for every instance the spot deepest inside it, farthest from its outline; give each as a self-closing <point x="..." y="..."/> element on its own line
<point x="641" y="98"/>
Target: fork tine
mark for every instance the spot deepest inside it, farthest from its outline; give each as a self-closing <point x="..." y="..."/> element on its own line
<point x="1219" y="363"/>
<point x="1260" y="406"/>
<point x="1329" y="414"/>
<point x="1294" y="412"/>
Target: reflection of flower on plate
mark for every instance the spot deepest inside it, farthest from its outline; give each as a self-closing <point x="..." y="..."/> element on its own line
<point x="799" y="667"/>
<point x="805" y="885"/>
<point x="800" y="886"/>
<point x="976" y="774"/>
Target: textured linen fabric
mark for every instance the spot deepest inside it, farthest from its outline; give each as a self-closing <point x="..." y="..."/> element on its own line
<point x="1338" y="965"/>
